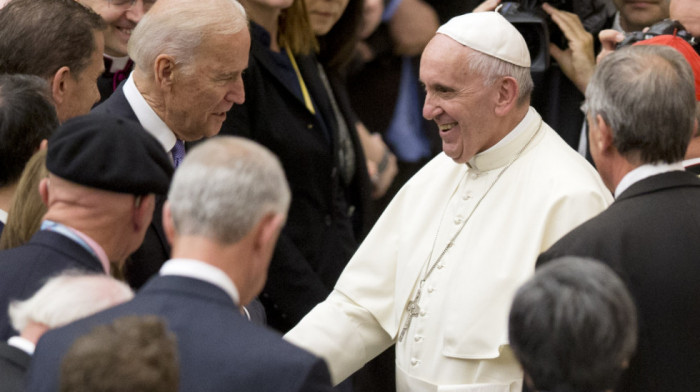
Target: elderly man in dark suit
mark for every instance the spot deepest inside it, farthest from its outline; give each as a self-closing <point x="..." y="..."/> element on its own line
<point x="640" y="108"/>
<point x="103" y="174"/>
<point x="63" y="299"/>
<point x="189" y="56"/>
<point x="225" y="210"/>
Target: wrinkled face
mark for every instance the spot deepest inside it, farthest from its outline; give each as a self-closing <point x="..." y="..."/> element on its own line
<point x="638" y="14"/>
<point x="81" y="88"/>
<point x="197" y="102"/>
<point x="323" y="14"/>
<point x="457" y="100"/>
<point x="688" y="13"/>
<point x="121" y="18"/>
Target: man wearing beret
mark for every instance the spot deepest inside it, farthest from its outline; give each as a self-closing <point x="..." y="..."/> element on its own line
<point x="189" y="56"/>
<point x="103" y="174"/>
<point x="437" y="273"/>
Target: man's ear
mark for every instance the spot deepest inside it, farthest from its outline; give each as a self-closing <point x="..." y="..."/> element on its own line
<point x="507" y="95"/>
<point x="143" y="211"/>
<point x="164" y="70"/>
<point x="168" y="224"/>
<point x="58" y="85"/>
<point x="44" y="190"/>
<point x="601" y="134"/>
<point x="268" y="230"/>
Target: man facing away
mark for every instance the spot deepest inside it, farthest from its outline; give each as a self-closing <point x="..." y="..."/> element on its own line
<point x="189" y="56"/>
<point x="27" y="119"/>
<point x="640" y="107"/>
<point x="64" y="298"/>
<point x="60" y="41"/>
<point x="225" y="209"/>
<point x="103" y="174"/>
<point x="437" y="273"/>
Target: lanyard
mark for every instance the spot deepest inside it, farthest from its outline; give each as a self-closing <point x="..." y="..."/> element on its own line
<point x="304" y="91"/>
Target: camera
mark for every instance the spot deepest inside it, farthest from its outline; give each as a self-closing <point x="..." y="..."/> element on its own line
<point x="538" y="29"/>
<point x="665" y="27"/>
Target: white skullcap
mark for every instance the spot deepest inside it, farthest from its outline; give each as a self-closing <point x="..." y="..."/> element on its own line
<point x="490" y="33"/>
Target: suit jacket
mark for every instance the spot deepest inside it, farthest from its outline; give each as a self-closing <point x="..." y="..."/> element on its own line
<point x="13" y="367"/>
<point x="325" y="220"/>
<point x="23" y="270"/>
<point x="649" y="236"/>
<point x="219" y="350"/>
<point x="155" y="249"/>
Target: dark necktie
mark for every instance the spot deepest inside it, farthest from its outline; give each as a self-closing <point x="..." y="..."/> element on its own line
<point x="178" y="152"/>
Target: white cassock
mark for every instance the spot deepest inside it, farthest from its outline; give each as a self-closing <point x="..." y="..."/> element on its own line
<point x="459" y="340"/>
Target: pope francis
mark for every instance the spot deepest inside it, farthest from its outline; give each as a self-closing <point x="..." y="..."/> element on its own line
<point x="437" y="273"/>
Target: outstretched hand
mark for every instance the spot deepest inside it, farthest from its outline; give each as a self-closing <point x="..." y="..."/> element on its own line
<point x="578" y="60"/>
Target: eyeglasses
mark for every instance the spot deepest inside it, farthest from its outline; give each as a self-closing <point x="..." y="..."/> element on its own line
<point x="128" y="4"/>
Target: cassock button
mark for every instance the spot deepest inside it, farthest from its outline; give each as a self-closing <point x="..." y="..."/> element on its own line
<point x="440" y="266"/>
<point x="458" y="219"/>
<point x="309" y="126"/>
<point x="417" y="338"/>
<point x="414" y="362"/>
<point x="431" y="289"/>
<point x="474" y="176"/>
<point x="422" y="313"/>
<point x="467" y="196"/>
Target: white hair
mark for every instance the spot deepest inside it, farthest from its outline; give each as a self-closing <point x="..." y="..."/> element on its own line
<point x="67" y="297"/>
<point x="179" y="27"/>
<point x="224" y="187"/>
<point x="492" y="68"/>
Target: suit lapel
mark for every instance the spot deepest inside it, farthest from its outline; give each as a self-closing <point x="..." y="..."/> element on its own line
<point x="673" y="179"/>
<point x="15" y="356"/>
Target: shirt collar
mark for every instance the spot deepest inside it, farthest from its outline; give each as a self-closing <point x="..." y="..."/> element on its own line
<point x="197" y="269"/>
<point x="3" y="216"/>
<point x="147" y="117"/>
<point x="644" y="171"/>
<point x="115" y="63"/>
<point x="691" y="162"/>
<point x="81" y="239"/>
<point x="22" y="344"/>
<point x="616" y="23"/>
<point x="503" y="152"/>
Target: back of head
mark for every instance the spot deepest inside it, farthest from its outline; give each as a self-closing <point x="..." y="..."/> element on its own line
<point x="132" y="354"/>
<point x="178" y="27"/>
<point x="27" y="209"/>
<point x="38" y="37"/>
<point x="646" y="95"/>
<point x="68" y="297"/>
<point x="573" y="326"/>
<point x="27" y="116"/>
<point x="224" y="187"/>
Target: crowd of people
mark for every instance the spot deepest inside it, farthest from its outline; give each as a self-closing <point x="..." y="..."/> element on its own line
<point x="347" y="195"/>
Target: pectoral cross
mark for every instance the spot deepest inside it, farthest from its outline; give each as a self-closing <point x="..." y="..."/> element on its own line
<point x="413" y="310"/>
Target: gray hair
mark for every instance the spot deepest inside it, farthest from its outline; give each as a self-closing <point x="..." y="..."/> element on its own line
<point x="646" y="95"/>
<point x="492" y="68"/>
<point x="573" y="326"/>
<point x="178" y="29"/>
<point x="224" y="187"/>
<point x="67" y="297"/>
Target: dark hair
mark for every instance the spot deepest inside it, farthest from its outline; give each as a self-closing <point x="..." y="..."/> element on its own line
<point x="338" y="45"/>
<point x="27" y="116"/>
<point x="573" y="326"/>
<point x="38" y="37"/>
<point x="134" y="354"/>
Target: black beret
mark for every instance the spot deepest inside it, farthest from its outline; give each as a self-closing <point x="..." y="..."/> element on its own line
<point x="110" y="153"/>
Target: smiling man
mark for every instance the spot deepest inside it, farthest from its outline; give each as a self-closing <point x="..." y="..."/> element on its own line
<point x="189" y="56"/>
<point x="437" y="274"/>
<point x="121" y="17"/>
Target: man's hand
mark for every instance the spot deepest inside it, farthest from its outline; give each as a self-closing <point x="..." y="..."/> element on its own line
<point x="609" y="40"/>
<point x="578" y="60"/>
<point x="487" y="5"/>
